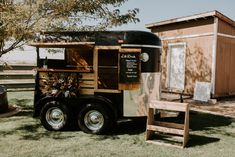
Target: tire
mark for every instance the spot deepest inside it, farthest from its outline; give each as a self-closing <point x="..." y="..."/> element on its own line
<point x="94" y="119"/>
<point x="54" y="116"/>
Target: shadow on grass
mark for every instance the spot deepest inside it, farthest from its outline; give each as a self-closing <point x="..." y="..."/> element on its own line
<point x="130" y="126"/>
<point x="25" y="113"/>
<point x="203" y="121"/>
<point x="35" y="132"/>
<point x="206" y="124"/>
<point x="198" y="140"/>
<point x="24" y="103"/>
<point x="198" y="122"/>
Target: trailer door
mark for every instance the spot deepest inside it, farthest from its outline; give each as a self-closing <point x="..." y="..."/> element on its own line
<point x="130" y="82"/>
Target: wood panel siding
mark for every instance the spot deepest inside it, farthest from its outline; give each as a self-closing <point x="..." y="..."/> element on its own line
<point x="225" y="71"/>
<point x="226" y="28"/>
<point x="86" y="83"/>
<point x="185" y="28"/>
<point x="198" y="61"/>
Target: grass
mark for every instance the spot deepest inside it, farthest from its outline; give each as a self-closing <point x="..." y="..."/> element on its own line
<point x="23" y="136"/>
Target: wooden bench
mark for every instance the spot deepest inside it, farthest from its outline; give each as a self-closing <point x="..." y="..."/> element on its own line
<point x="170" y="131"/>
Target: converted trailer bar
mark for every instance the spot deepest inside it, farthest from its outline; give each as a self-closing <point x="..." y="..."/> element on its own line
<point x="103" y="77"/>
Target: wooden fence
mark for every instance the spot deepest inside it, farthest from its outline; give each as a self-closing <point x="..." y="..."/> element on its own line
<point x="17" y="77"/>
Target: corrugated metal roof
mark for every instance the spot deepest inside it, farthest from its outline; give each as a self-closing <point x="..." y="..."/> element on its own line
<point x="214" y="13"/>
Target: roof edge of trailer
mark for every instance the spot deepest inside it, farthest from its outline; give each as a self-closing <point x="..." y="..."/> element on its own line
<point x="74" y="38"/>
<point x="61" y="44"/>
<point x="204" y="15"/>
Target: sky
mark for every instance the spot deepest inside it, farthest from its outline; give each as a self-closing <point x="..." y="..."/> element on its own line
<point x="157" y="10"/>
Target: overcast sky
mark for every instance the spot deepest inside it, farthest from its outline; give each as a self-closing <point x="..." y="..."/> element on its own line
<point x="158" y="10"/>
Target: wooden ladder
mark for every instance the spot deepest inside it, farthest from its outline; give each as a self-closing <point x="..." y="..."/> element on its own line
<point x="171" y="130"/>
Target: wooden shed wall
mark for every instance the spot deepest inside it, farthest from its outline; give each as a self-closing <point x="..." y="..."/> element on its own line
<point x="185" y="28"/>
<point x="198" y="36"/>
<point x="226" y="28"/>
<point x="225" y="60"/>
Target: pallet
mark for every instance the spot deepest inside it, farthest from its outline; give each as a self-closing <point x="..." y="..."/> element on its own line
<point x="167" y="133"/>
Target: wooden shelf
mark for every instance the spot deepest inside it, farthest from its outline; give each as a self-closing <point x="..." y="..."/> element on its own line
<point x="172" y="129"/>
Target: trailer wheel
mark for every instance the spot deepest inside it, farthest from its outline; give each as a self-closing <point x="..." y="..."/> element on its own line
<point x="54" y="116"/>
<point x="94" y="119"/>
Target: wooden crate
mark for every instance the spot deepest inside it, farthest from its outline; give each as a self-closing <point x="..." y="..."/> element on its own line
<point x="168" y="132"/>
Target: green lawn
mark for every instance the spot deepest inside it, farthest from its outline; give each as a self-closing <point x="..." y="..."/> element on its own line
<point x="24" y="136"/>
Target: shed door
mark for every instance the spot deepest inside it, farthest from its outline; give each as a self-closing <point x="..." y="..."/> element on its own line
<point x="176" y="66"/>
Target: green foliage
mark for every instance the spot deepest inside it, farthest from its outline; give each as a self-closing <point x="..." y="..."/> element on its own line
<point x="20" y="19"/>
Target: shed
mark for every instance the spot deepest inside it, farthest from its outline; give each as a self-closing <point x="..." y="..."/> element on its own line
<point x="197" y="49"/>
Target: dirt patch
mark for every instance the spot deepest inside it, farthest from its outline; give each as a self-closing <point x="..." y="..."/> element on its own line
<point x="224" y="107"/>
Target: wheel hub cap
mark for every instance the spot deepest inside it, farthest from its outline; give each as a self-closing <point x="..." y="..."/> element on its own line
<point x="55" y="117"/>
<point x="94" y="120"/>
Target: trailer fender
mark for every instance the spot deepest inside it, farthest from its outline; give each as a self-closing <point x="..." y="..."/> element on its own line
<point x="103" y="101"/>
<point x="40" y="103"/>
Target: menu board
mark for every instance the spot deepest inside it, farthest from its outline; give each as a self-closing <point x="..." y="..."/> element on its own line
<point x="129" y="68"/>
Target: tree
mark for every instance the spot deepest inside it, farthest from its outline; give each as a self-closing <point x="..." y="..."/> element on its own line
<point x="21" y="19"/>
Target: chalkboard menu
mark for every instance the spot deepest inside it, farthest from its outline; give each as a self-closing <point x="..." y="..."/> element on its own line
<point x="129" y="68"/>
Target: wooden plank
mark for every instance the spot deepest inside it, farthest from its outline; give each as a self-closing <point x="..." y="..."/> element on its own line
<point x="226" y="35"/>
<point x="165" y="105"/>
<point x="17" y="72"/>
<point x="150" y="121"/>
<point x="214" y="50"/>
<point x="129" y="50"/>
<point x="165" y="130"/>
<point x="131" y="86"/>
<point x="89" y="83"/>
<point x="169" y="125"/>
<point x="17" y="81"/>
<point x="181" y="19"/>
<point x="87" y="76"/>
<point x="164" y="144"/>
<point x="186" y="127"/>
<point x="95" y="63"/>
<point x="65" y="70"/>
<point x="107" y="48"/>
<point x="87" y="91"/>
<point x="107" y="91"/>
<point x="188" y="36"/>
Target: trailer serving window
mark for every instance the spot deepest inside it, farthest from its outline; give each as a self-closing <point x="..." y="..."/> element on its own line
<point x="107" y="69"/>
<point x="79" y="58"/>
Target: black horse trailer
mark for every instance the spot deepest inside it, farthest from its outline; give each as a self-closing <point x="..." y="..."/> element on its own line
<point x="103" y="77"/>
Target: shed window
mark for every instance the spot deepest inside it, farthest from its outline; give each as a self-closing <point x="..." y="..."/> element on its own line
<point x="176" y="66"/>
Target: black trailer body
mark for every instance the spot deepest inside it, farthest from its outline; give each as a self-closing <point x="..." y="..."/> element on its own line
<point x="102" y="78"/>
